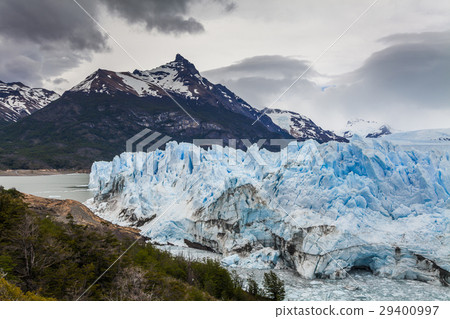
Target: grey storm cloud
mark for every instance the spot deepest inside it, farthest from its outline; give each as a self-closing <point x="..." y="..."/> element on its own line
<point x="169" y="16"/>
<point x="47" y="21"/>
<point x="405" y="85"/>
<point x="40" y="39"/>
<point x="44" y="38"/>
<point x="19" y="62"/>
<point x="413" y="70"/>
<point x="264" y="66"/>
<point x="261" y="79"/>
<point x="60" y="81"/>
<point x="411" y="75"/>
<point x="164" y="16"/>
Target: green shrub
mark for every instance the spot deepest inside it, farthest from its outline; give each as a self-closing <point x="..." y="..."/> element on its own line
<point x="9" y="292"/>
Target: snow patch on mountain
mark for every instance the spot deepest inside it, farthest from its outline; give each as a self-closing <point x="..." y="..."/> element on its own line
<point x="300" y="126"/>
<point x="321" y="209"/>
<point x="364" y="128"/>
<point x="142" y="88"/>
<point x="109" y="82"/>
<point x="169" y="77"/>
<point x="18" y="100"/>
<point x="282" y="118"/>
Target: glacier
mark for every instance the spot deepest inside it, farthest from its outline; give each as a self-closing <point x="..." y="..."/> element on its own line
<point x="319" y="209"/>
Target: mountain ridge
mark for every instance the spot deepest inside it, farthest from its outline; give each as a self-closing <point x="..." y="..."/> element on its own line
<point x="18" y="100"/>
<point x="93" y="120"/>
<point x="301" y="127"/>
<point x="365" y="128"/>
<point x="178" y="77"/>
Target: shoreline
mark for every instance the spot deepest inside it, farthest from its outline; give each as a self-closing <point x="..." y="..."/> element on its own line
<point x="42" y="172"/>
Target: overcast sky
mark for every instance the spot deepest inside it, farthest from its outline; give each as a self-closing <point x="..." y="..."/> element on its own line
<point x="393" y="65"/>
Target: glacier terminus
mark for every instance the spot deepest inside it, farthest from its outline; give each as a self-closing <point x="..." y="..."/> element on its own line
<point x="319" y="209"/>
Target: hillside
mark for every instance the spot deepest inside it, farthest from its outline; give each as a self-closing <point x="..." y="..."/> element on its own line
<point x="64" y="248"/>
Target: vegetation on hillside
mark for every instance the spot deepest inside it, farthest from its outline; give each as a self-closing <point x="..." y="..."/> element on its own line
<point x="41" y="259"/>
<point x="11" y="292"/>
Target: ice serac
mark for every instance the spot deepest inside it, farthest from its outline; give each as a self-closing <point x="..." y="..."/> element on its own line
<point x="18" y="100"/>
<point x="321" y="209"/>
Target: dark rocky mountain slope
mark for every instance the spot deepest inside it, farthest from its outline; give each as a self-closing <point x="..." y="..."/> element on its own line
<point x="94" y="119"/>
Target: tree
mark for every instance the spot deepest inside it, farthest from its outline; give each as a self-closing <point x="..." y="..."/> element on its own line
<point x="253" y="287"/>
<point x="238" y="282"/>
<point x="274" y="286"/>
<point x="130" y="284"/>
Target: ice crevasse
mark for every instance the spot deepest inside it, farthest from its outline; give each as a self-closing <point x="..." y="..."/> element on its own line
<point x="321" y="209"/>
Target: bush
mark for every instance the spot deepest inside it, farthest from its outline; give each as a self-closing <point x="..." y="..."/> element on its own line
<point x="9" y="292"/>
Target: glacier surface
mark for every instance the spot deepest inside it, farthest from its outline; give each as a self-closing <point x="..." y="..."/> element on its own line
<point x="320" y="209"/>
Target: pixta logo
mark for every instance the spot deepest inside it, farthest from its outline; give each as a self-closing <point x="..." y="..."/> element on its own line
<point x="149" y="141"/>
<point x="146" y="141"/>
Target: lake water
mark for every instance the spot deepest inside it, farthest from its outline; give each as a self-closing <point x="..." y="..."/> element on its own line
<point x="68" y="186"/>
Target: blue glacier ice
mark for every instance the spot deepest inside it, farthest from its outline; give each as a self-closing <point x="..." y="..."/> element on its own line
<point x="321" y="209"/>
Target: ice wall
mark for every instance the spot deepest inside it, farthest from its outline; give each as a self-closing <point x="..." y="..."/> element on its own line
<point x="319" y="208"/>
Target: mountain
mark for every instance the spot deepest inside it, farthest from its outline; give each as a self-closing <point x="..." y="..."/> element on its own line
<point x="301" y="127"/>
<point x="364" y="128"/>
<point x="18" y="100"/>
<point x="93" y="120"/>
<point x="179" y="78"/>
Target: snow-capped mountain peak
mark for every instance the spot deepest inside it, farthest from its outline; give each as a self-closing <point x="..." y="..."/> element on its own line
<point x="110" y="82"/>
<point x="176" y="77"/>
<point x="179" y="76"/>
<point x="364" y="128"/>
<point x="300" y="126"/>
<point x="18" y="100"/>
<point x="180" y="79"/>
